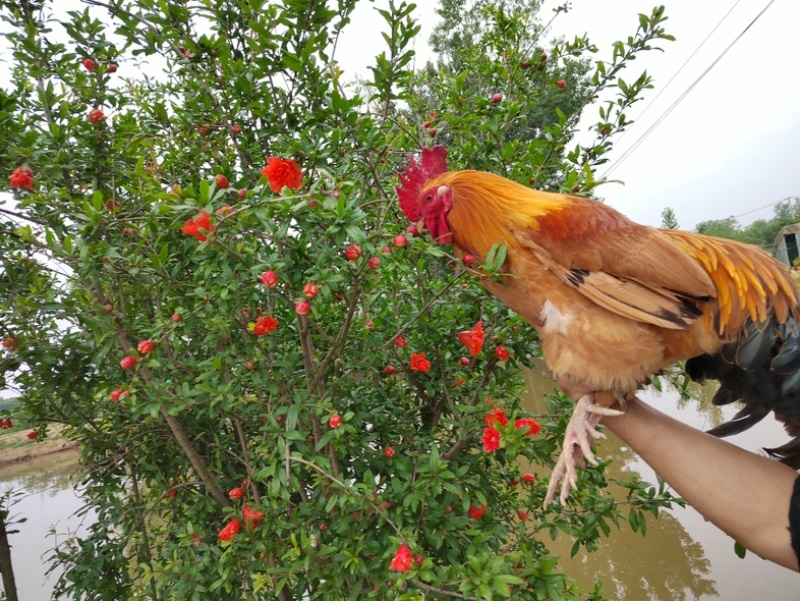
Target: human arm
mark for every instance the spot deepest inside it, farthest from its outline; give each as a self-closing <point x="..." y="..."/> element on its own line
<point x="744" y="494"/>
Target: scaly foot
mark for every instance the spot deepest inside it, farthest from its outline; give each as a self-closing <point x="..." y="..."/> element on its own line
<point x="580" y="433"/>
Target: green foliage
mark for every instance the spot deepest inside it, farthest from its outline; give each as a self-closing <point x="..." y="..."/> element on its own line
<point x="668" y="219"/>
<point x="761" y="232"/>
<point x="8" y="405"/>
<point x="94" y="260"/>
<point x="490" y="47"/>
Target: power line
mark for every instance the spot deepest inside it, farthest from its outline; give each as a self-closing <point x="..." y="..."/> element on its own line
<point x="772" y="204"/>
<point x="680" y="98"/>
<point x="678" y="72"/>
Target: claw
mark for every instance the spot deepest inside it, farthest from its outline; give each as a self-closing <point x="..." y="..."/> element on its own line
<point x="603" y="411"/>
<point x="580" y="433"/>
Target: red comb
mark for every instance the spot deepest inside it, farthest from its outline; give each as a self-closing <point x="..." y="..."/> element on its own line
<point x="434" y="163"/>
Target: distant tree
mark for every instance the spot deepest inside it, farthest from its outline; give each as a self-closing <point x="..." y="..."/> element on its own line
<point x="724" y="228"/>
<point x="668" y="219"/>
<point x="788" y="209"/>
<point x="761" y="232"/>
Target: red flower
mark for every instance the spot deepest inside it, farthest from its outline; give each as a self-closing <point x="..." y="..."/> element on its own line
<point x="96" y="116"/>
<point x="389" y="370"/>
<point x="199" y="226"/>
<point x="374" y="262"/>
<point x="282" y="172"/>
<point x="6" y="424"/>
<point x="528" y="478"/>
<point x="303" y="308"/>
<point x="230" y="530"/>
<point x="491" y="440"/>
<point x="401" y="562"/>
<point x="459" y="382"/>
<point x="476" y="513"/>
<point x="196" y="540"/>
<point x="236" y="493"/>
<point x="419" y="363"/>
<point x="252" y="518"/>
<point x="388" y="452"/>
<point x="172" y="492"/>
<point x="473" y="339"/>
<point x="145" y="347"/>
<point x="497" y="415"/>
<point x="265" y="325"/>
<point x="128" y="362"/>
<point x="501" y="353"/>
<point x="10" y="343"/>
<point x="401" y="342"/>
<point x="529" y="423"/>
<point x="335" y="421"/>
<point x="225" y="210"/>
<point x="33" y="434"/>
<point x="269" y="279"/>
<point x="89" y="64"/>
<point x="22" y="177"/>
<point x="522" y="515"/>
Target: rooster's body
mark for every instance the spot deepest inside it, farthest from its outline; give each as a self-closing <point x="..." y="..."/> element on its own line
<point x="615" y="302"/>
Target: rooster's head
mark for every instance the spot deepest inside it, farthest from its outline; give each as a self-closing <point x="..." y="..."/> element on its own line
<point x="423" y="201"/>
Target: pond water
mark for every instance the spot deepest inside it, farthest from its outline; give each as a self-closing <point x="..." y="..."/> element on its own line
<point x="49" y="503"/>
<point x="682" y="557"/>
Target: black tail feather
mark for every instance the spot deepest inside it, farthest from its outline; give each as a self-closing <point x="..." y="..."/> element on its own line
<point x="788" y="453"/>
<point x="725" y="396"/>
<point x="787" y="360"/>
<point x="760" y="368"/>
<point x="753" y="349"/>
<point x="746" y="418"/>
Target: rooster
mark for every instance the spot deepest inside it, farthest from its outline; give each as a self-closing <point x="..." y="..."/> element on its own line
<point x="615" y="302"/>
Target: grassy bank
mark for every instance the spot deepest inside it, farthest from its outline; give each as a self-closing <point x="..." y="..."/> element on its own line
<point x="16" y="447"/>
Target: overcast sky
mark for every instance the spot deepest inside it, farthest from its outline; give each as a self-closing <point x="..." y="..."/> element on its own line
<point x="731" y="146"/>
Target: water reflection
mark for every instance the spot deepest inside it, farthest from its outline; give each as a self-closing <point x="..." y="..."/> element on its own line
<point x="48" y="504"/>
<point x="682" y="557"/>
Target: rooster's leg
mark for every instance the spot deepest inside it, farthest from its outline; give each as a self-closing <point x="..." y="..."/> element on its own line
<point x="578" y="437"/>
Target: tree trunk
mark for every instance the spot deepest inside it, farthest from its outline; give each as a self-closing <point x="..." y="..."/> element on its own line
<point x="5" y="561"/>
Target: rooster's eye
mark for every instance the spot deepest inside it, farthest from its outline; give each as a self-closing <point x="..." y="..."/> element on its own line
<point x="429" y="197"/>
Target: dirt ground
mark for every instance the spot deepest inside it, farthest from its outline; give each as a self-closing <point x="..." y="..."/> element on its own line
<point x="16" y="448"/>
